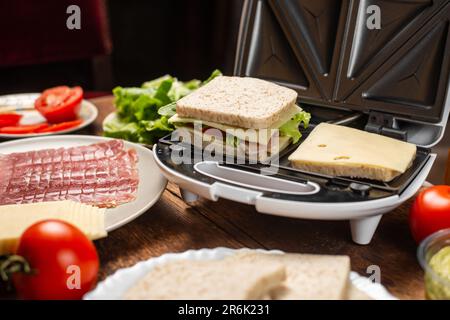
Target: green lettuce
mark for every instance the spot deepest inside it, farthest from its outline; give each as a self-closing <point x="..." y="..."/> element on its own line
<point x="117" y="128"/>
<point x="153" y="128"/>
<point x="291" y="128"/>
<point x="214" y="74"/>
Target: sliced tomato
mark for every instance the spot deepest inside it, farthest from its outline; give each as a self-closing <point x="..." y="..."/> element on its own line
<point x="23" y="129"/>
<point x="61" y="126"/>
<point x="9" y="119"/>
<point x="60" y="104"/>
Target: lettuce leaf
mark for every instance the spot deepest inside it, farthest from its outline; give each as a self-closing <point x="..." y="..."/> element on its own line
<point x="168" y="110"/>
<point x="291" y="128"/>
<point x="155" y="83"/>
<point x="145" y="108"/>
<point x="116" y="128"/>
<point x="214" y="74"/>
<point x="162" y="93"/>
<point x="152" y="130"/>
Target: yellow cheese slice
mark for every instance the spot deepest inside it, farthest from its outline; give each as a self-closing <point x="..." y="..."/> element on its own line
<point x="14" y="219"/>
<point x="259" y="136"/>
<point x="342" y="151"/>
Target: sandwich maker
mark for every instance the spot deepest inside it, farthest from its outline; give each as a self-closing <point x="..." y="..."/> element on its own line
<point x="393" y="81"/>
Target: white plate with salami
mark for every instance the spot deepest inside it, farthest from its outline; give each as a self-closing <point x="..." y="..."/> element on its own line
<point x="116" y="174"/>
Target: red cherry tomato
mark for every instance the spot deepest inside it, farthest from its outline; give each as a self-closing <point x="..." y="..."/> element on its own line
<point x="430" y="212"/>
<point x="9" y="119"/>
<point x="60" y="104"/>
<point x="63" y="260"/>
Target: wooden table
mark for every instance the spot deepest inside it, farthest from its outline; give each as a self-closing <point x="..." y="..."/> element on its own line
<point x="171" y="225"/>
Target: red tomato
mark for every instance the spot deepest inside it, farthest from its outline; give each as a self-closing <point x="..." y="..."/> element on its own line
<point x="24" y="129"/>
<point x="430" y="212"/>
<point x="9" y="119"/>
<point x="64" y="260"/>
<point x="61" y="126"/>
<point x="60" y="104"/>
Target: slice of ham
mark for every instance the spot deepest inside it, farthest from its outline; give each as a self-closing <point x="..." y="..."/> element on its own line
<point x="102" y="174"/>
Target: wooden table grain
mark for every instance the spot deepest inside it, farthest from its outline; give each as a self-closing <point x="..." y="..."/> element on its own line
<point x="171" y="225"/>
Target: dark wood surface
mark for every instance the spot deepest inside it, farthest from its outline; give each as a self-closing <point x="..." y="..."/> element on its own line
<point x="171" y="225"/>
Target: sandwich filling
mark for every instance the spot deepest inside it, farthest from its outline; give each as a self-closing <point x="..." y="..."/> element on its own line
<point x="270" y="140"/>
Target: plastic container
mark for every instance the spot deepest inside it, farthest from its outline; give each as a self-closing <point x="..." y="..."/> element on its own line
<point x="436" y="286"/>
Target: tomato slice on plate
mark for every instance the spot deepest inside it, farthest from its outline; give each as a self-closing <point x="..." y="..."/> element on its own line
<point x="60" y="104"/>
<point x="23" y="129"/>
<point x="61" y="126"/>
<point x="9" y="119"/>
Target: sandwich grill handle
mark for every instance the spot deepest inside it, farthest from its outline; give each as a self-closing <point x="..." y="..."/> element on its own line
<point x="255" y="181"/>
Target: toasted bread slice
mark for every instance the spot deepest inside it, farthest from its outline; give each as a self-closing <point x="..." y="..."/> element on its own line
<point x="307" y="276"/>
<point x="216" y="279"/>
<point x="342" y="151"/>
<point x="238" y="101"/>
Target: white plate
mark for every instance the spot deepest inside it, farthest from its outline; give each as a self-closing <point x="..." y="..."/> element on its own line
<point x="151" y="182"/>
<point x="115" y="286"/>
<point x="88" y="113"/>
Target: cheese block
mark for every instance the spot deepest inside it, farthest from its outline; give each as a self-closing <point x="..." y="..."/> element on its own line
<point x="342" y="151"/>
<point x="14" y="219"/>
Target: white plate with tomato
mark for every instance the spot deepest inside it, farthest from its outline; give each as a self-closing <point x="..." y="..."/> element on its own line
<point x="55" y="111"/>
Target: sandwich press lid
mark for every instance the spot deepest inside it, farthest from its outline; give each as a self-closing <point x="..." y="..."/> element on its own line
<point x="324" y="49"/>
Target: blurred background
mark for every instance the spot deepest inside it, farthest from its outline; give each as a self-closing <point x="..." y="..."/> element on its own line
<point x="120" y="42"/>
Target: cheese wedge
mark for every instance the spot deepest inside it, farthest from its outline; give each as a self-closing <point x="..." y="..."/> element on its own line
<point x="342" y="151"/>
<point x="14" y="219"/>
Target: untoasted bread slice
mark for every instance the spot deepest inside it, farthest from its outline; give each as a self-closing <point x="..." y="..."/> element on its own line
<point x="308" y="276"/>
<point x="342" y="151"/>
<point x="216" y="279"/>
<point x="354" y="293"/>
<point x="238" y="101"/>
